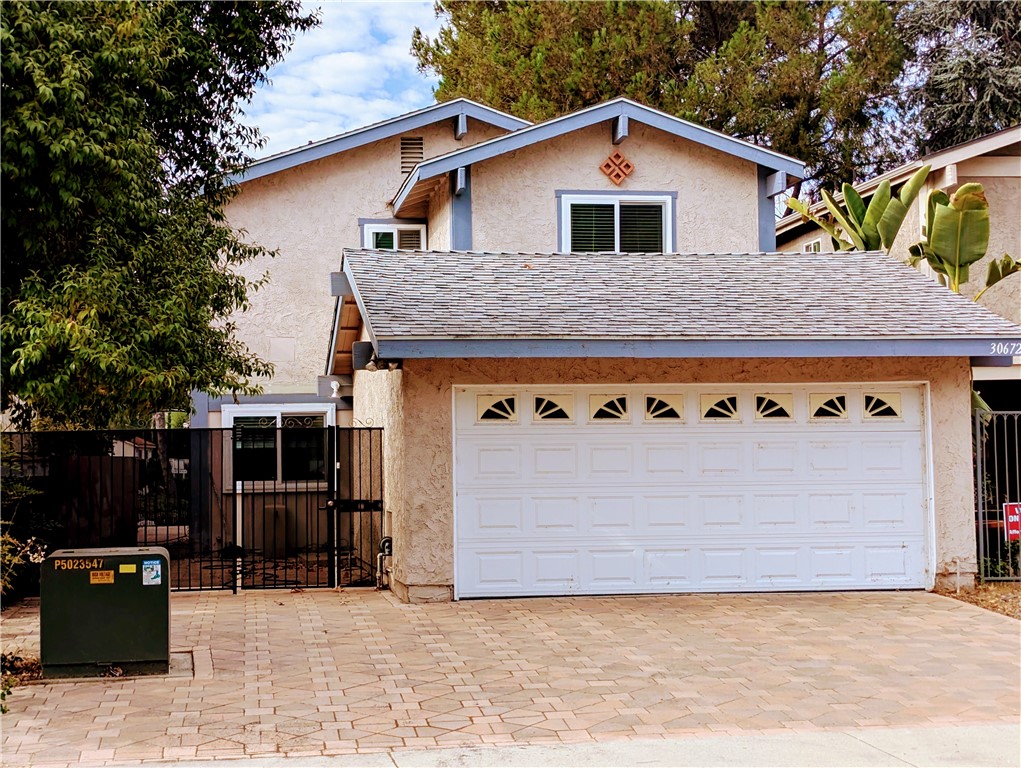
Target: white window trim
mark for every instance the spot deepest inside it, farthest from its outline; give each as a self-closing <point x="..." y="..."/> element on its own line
<point x="230" y="412"/>
<point x="368" y="230"/>
<point x="808" y="247"/>
<point x="566" y="201"/>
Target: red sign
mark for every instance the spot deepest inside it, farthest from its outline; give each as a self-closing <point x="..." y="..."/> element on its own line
<point x="1012" y="521"/>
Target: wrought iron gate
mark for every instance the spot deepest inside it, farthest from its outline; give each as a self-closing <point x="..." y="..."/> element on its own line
<point x="252" y="507"/>
<point x="998" y="494"/>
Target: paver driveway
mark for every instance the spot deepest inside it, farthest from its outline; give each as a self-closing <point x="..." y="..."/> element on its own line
<point x="325" y="673"/>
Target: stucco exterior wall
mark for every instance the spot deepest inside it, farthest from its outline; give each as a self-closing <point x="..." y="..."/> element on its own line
<point x="309" y="214"/>
<point x="422" y="505"/>
<point x="379" y="404"/>
<point x="439" y="218"/>
<point x="514" y="206"/>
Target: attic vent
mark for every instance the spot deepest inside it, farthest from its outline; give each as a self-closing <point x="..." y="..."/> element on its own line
<point x="409" y="239"/>
<point x="412" y="152"/>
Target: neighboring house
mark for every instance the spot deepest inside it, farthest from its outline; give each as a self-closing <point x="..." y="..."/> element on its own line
<point x="566" y="410"/>
<point x="993" y="161"/>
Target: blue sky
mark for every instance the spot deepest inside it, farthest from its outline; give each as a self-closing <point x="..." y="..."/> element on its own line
<point x="353" y="70"/>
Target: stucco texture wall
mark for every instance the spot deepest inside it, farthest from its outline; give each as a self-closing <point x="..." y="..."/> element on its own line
<point x="309" y="214"/>
<point x="514" y="206"/>
<point x="421" y="447"/>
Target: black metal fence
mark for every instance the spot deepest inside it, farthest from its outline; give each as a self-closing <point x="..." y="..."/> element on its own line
<point x="250" y="507"/>
<point x="998" y="494"/>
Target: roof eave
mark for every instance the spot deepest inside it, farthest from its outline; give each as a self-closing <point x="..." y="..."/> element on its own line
<point x="401" y="347"/>
<point x="376" y="132"/>
<point x="558" y="126"/>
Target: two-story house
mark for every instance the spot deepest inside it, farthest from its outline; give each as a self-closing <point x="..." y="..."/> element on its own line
<point x="595" y="373"/>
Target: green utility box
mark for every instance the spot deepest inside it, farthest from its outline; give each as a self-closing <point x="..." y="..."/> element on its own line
<point x="105" y="608"/>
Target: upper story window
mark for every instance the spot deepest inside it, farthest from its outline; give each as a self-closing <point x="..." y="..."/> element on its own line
<point x="812" y="246"/>
<point x="618" y="223"/>
<point x="386" y="237"/>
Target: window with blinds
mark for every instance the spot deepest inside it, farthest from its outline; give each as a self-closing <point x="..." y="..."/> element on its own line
<point x="593" y="228"/>
<point x="618" y="226"/>
<point x="386" y="237"/>
<point x="641" y="228"/>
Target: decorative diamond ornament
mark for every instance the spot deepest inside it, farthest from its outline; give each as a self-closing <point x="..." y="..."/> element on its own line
<point x="617" y="167"/>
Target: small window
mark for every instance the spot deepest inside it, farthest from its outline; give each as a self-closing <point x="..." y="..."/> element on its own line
<point x="627" y="224"/>
<point x="882" y="405"/>
<point x="664" y="407"/>
<point x="279" y="447"/>
<point x="775" y="406"/>
<point x="719" y="407"/>
<point x="553" y="408"/>
<point x="827" y="406"/>
<point x="496" y="408"/>
<point x="387" y="237"/>
<point x="812" y="246"/>
<point x="608" y="408"/>
<point x="412" y="152"/>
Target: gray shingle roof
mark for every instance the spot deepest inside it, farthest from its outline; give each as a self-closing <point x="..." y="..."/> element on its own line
<point x="468" y="295"/>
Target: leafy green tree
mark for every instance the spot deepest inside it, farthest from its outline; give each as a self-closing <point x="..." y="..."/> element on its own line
<point x="966" y="78"/>
<point x="122" y="122"/>
<point x="817" y="79"/>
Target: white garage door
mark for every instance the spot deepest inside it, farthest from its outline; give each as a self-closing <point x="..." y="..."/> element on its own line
<point x="631" y="489"/>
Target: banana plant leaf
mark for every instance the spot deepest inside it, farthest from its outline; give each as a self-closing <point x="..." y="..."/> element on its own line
<point x="880" y="199"/>
<point x="892" y="218"/>
<point x="891" y="222"/>
<point x="842" y="220"/>
<point x="855" y="205"/>
<point x="826" y="226"/>
<point x="913" y="186"/>
<point x="960" y="237"/>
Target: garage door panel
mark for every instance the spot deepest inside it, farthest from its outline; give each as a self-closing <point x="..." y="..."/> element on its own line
<point x="556" y="569"/>
<point x="776" y="458"/>
<point x="669" y="567"/>
<point x="778" y="566"/>
<point x="495" y="462"/>
<point x="888" y="564"/>
<point x="612" y="514"/>
<point x="613" y="459"/>
<point x="555" y="514"/>
<point x="723" y="566"/>
<point x="559" y="462"/>
<point x="634" y="505"/>
<point x="666" y="461"/>
<point x="773" y="512"/>
<point x="612" y="569"/>
<point x="721" y="512"/>
<point x="498" y="516"/>
<point x="717" y="460"/>
<point x="666" y="514"/>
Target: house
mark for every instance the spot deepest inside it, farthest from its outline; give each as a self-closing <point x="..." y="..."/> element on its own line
<point x="595" y="373"/>
<point x="993" y="161"/>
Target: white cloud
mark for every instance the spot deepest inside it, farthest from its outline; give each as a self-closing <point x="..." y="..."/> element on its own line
<point x="353" y="70"/>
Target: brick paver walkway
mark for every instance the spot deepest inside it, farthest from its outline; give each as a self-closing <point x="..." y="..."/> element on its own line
<point x="326" y="673"/>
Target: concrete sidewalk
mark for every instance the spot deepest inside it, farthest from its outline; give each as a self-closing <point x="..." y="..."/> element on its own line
<point x="978" y="746"/>
<point x="356" y="678"/>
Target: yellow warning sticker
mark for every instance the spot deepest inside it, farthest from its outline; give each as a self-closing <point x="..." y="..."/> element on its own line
<point x="127" y="568"/>
<point x="100" y="577"/>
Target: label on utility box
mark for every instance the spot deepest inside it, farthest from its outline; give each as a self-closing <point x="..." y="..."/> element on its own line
<point x="127" y="568"/>
<point x="152" y="573"/>
<point x="100" y="577"/>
